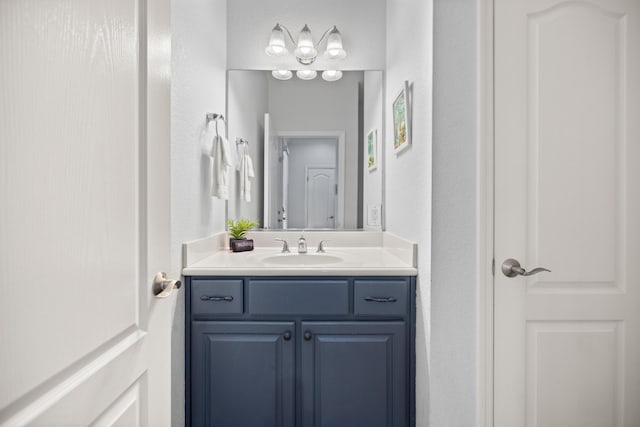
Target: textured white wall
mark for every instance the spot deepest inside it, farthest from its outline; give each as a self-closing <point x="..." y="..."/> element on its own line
<point x="247" y="102"/>
<point x="453" y="289"/>
<point x="373" y="120"/>
<point x="408" y="175"/>
<point x="361" y="23"/>
<point x="197" y="87"/>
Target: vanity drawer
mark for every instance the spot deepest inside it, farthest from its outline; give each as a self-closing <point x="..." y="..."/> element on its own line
<point x="216" y="296"/>
<point x="312" y="297"/>
<point x="380" y="298"/>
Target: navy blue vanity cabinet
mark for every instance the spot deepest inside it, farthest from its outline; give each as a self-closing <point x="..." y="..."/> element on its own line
<point x="244" y="374"/>
<point x="354" y="374"/>
<point x="300" y="351"/>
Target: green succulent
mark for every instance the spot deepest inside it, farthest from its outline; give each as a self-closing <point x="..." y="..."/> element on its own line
<point x="238" y="229"/>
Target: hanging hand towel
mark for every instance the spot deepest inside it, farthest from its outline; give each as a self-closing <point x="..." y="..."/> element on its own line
<point x="221" y="165"/>
<point x="245" y="167"/>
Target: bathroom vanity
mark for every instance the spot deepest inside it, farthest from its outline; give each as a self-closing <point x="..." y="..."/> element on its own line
<point x="309" y="345"/>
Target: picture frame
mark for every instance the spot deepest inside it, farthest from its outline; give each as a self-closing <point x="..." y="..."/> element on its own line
<point x="372" y="150"/>
<point x="401" y="109"/>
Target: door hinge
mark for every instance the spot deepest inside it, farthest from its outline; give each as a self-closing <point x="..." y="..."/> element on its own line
<point x="335" y="186"/>
<point x="493" y="267"/>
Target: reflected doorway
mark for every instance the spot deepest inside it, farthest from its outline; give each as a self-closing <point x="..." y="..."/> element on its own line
<point x="309" y="181"/>
<point x="305" y="184"/>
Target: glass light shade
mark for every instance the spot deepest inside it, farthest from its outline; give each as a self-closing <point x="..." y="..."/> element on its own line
<point x="334" y="45"/>
<point x="306" y="74"/>
<point x="332" y="75"/>
<point x="306" y="52"/>
<point x="277" y="46"/>
<point x="282" y="74"/>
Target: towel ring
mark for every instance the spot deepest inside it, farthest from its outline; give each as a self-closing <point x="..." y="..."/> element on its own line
<point x="215" y="117"/>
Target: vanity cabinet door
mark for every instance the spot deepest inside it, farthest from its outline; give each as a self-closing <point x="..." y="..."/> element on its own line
<point x="243" y="374"/>
<point x="354" y="374"/>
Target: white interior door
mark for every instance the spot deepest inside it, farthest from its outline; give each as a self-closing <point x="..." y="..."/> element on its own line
<point x="320" y="196"/>
<point x="272" y="176"/>
<point x="567" y="197"/>
<point x="84" y="217"/>
<point x="284" y="209"/>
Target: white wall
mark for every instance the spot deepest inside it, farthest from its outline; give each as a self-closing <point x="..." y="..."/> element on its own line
<point x="453" y="290"/>
<point x="408" y="175"/>
<point x="246" y="104"/>
<point x="197" y="87"/>
<point x="302" y="105"/>
<point x="373" y="120"/>
<point x="361" y="23"/>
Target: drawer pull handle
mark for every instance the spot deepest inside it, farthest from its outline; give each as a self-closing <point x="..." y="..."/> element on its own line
<point x="307" y="335"/>
<point x="216" y="298"/>
<point x="287" y="336"/>
<point x="381" y="299"/>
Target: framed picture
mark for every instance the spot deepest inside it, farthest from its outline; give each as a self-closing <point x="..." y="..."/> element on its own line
<point x="402" y="120"/>
<point x="372" y="149"/>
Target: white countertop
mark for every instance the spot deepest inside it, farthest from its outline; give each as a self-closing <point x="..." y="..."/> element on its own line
<point x="359" y="253"/>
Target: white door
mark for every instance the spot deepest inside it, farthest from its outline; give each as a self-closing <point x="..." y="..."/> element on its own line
<point x="567" y="197"/>
<point x="284" y="209"/>
<point x="273" y="203"/>
<point x="320" y="196"/>
<point x="84" y="212"/>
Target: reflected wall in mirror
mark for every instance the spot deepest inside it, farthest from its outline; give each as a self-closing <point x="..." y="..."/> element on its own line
<point x="306" y="140"/>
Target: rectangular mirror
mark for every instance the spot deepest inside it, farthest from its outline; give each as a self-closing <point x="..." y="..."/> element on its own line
<point x="316" y="149"/>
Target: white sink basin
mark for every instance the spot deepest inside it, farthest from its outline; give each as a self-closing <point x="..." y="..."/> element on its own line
<point x="300" y="260"/>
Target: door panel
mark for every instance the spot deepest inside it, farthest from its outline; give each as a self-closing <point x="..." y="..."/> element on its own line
<point x="320" y="195"/>
<point x="243" y="365"/>
<point x="84" y="223"/>
<point x="354" y="374"/>
<point x="576" y="145"/>
<point x="567" y="197"/>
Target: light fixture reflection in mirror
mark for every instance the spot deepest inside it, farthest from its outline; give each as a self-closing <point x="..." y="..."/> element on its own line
<point x="282" y="74"/>
<point x="306" y="74"/>
<point x="332" y="75"/>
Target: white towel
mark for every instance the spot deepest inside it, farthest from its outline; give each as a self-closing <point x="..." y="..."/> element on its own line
<point x="221" y="165"/>
<point x="245" y="167"/>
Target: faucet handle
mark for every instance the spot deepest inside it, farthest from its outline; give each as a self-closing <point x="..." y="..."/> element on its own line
<point x="320" y="249"/>
<point x="285" y="245"/>
<point x="302" y="245"/>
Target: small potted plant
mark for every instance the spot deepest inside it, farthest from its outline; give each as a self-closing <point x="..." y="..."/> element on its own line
<point x="237" y="230"/>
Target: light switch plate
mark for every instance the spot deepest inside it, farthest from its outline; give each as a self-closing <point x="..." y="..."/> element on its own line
<point x="373" y="215"/>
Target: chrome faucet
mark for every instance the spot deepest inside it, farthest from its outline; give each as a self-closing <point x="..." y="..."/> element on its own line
<point x="285" y="246"/>
<point x="302" y="245"/>
<point x="320" y="249"/>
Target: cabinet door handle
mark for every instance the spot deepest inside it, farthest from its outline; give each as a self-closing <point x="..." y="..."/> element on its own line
<point x="287" y="336"/>
<point x="381" y="299"/>
<point x="307" y="335"/>
<point x="225" y="298"/>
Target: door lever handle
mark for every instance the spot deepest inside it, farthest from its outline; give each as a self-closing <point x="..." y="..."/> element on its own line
<point x="512" y="268"/>
<point x="162" y="286"/>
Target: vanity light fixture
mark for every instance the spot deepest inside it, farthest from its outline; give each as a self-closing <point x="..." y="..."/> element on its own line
<point x="305" y="51"/>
